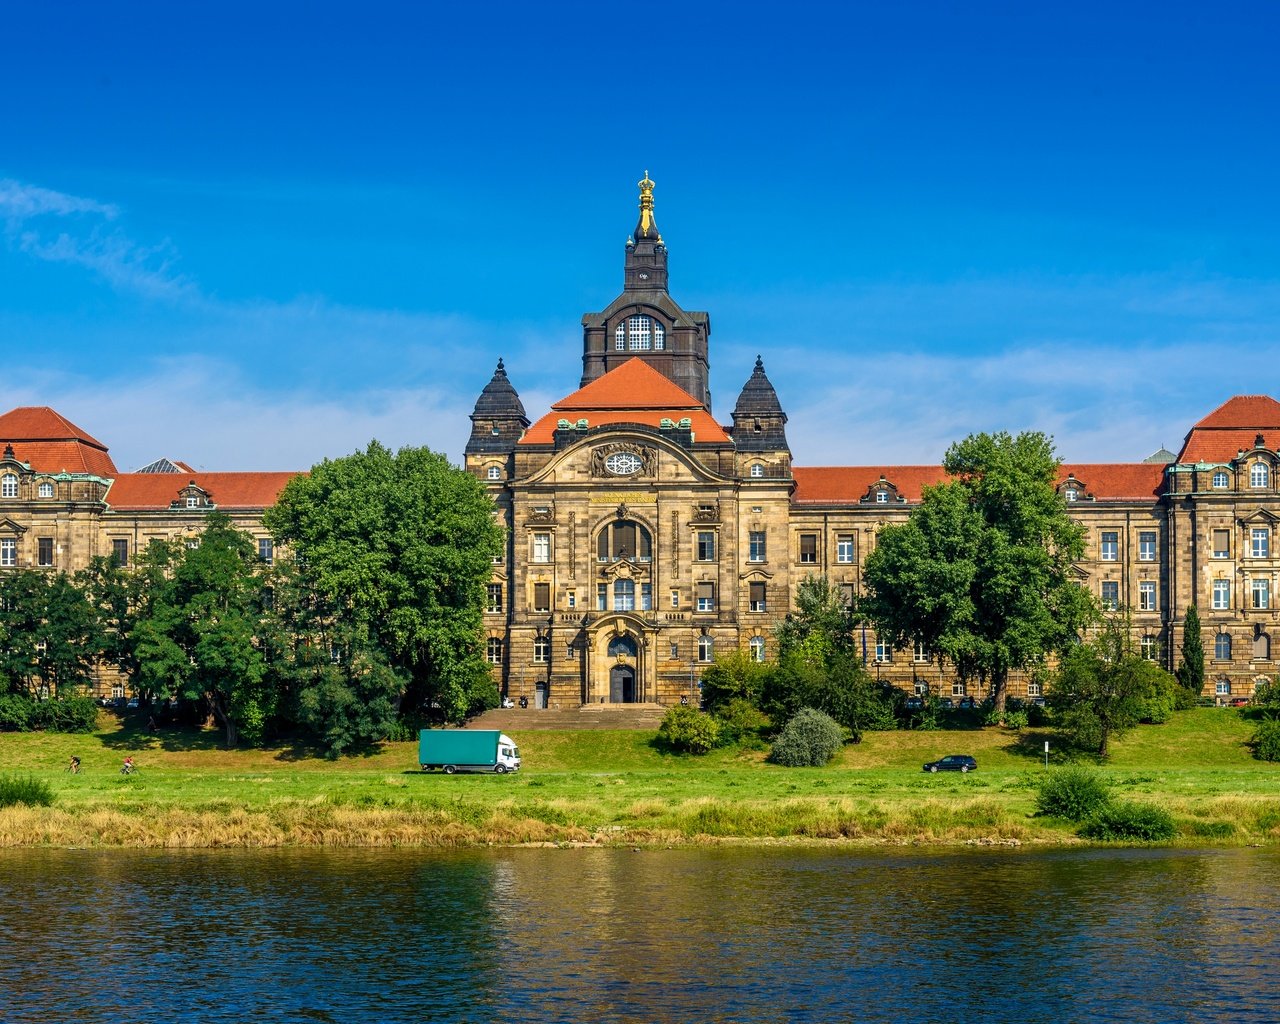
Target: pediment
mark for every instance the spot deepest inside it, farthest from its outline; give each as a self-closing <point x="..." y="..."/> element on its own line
<point x="8" y="525"/>
<point x="1261" y="515"/>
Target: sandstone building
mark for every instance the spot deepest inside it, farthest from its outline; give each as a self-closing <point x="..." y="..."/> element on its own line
<point x="645" y="535"/>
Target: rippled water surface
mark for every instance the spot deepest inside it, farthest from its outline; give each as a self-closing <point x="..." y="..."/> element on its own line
<point x="615" y="935"/>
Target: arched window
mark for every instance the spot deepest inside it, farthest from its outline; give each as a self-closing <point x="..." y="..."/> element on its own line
<point x="757" y="470"/>
<point x="1259" y="475"/>
<point x="757" y="648"/>
<point x="8" y="486"/>
<point x="1262" y="647"/>
<point x="493" y="651"/>
<point x="1222" y="647"/>
<point x="1221" y="480"/>
<point x="639" y="334"/>
<point x="495" y="473"/>
<point x="46" y="489"/>
<point x="624" y="595"/>
<point x="706" y="648"/>
<point x="622" y="646"/>
<point x="624" y="538"/>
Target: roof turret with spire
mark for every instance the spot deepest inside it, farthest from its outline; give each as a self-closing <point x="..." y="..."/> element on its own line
<point x="758" y="420"/>
<point x="498" y="420"/>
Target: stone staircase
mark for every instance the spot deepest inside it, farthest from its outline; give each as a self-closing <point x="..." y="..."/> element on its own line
<point x="590" y="716"/>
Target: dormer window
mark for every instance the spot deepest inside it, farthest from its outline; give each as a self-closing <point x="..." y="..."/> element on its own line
<point x="1259" y="475"/>
<point x="1221" y="480"/>
<point x="1071" y="494"/>
<point x="46" y="489"/>
<point x="8" y="486"/>
<point x="757" y="470"/>
<point x="882" y="497"/>
<point x="639" y="334"/>
<point x="495" y="473"/>
<point x="193" y="501"/>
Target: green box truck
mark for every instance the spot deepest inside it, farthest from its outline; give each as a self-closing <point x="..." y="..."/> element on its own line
<point x="467" y="750"/>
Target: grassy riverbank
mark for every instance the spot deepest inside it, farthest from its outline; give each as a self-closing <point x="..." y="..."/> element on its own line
<point x="615" y="787"/>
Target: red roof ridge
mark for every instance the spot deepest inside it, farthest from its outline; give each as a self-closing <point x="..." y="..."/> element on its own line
<point x="1243" y="412"/>
<point x="633" y="385"/>
<point x="42" y="423"/>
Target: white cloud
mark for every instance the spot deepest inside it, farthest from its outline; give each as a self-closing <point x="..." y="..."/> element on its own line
<point x="19" y="202"/>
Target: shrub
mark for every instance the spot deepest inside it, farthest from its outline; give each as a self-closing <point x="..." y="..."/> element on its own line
<point x="30" y="791"/>
<point x="1266" y="741"/>
<point x="810" y="739"/>
<point x="740" y="721"/>
<point x="1122" y="821"/>
<point x="16" y="711"/>
<point x="1074" y="793"/>
<point x="66" y="714"/>
<point x="689" y="730"/>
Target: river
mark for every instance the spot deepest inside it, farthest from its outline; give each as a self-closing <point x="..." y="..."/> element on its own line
<point x="739" y="935"/>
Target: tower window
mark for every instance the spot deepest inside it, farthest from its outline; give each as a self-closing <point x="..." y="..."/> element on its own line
<point x="46" y="489"/>
<point x="639" y="334"/>
<point x="495" y="473"/>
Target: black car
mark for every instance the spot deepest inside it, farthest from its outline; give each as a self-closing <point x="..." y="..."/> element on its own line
<point x="953" y="763"/>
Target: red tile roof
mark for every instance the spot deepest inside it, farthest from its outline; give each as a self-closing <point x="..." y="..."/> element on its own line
<point x="632" y="393"/>
<point x="49" y="443"/>
<point x="152" y="491"/>
<point x="847" y="485"/>
<point x="1233" y="427"/>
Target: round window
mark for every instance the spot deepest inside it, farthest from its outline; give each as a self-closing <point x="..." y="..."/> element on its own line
<point x="623" y="463"/>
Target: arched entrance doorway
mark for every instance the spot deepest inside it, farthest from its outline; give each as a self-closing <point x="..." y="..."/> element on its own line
<point x="622" y="684"/>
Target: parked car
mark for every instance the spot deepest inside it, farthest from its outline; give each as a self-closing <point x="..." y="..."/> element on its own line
<point x="953" y="763"/>
<point x="967" y="704"/>
<point x="133" y="703"/>
<point x="1239" y="702"/>
<point x="915" y="703"/>
<point x="945" y="702"/>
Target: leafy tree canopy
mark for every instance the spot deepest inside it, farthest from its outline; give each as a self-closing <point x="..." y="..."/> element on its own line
<point x="981" y="572"/>
<point x="400" y="545"/>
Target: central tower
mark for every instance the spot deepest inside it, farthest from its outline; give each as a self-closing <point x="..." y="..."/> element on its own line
<point x="644" y="321"/>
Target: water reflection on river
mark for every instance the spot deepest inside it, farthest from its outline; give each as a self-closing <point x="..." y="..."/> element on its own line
<point x="615" y="935"/>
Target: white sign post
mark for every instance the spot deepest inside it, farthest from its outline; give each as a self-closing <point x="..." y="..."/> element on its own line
<point x="1046" y="753"/>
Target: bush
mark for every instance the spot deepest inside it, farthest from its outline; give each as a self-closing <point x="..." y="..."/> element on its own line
<point x="1124" y="821"/>
<point x="1074" y="793"/>
<point x="16" y="711"/>
<point x="66" y="714"/>
<point x="810" y="739"/>
<point x="29" y="791"/>
<point x="740" y="721"/>
<point x="689" y="730"/>
<point x="1266" y="741"/>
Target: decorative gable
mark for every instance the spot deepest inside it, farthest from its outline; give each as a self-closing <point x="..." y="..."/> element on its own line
<point x="193" y="497"/>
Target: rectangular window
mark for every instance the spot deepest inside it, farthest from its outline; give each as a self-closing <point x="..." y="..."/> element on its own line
<point x="542" y="547"/>
<point x="846" y="594"/>
<point x="1221" y="543"/>
<point x="1147" y="596"/>
<point x="706" y="597"/>
<point x="706" y="546"/>
<point x="1110" y="546"/>
<point x="44" y="551"/>
<point x="920" y="653"/>
<point x="884" y="653"/>
<point x="541" y="650"/>
<point x="675" y="599"/>
<point x="1222" y="688"/>
<point x="542" y="597"/>
<point x="602" y="597"/>
<point x="571" y="599"/>
<point x="844" y="548"/>
<point x="1261" y="590"/>
<point x="706" y="648"/>
<point x="1110" y="595"/>
<point x="646" y="596"/>
<point x="8" y="552"/>
<point x="493" y="597"/>
<point x="1150" y="648"/>
<point x="1034" y="689"/>
<point x="1221" y="595"/>
<point x="120" y="552"/>
<point x="756" y="549"/>
<point x="1260" y="542"/>
<point x="756" y="595"/>
<point x="1147" y="546"/>
<point x="808" y="548"/>
<point x="1222" y="647"/>
<point x="266" y="550"/>
<point x="675" y="650"/>
<point x="958" y="688"/>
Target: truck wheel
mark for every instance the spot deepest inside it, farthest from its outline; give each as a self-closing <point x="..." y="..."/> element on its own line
<point x="500" y="769"/>
<point x="449" y="769"/>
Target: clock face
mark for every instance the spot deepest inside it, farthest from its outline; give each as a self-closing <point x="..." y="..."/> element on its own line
<point x="623" y="463"/>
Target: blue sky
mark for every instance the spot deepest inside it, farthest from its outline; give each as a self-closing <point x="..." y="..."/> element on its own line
<point x="253" y="235"/>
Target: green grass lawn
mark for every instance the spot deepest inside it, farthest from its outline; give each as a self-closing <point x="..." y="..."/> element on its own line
<point x="594" y="786"/>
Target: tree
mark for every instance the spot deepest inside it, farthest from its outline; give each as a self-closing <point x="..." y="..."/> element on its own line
<point x="981" y="572"/>
<point x="821" y="628"/>
<point x="70" y="635"/>
<point x="1103" y="688"/>
<point x="203" y="633"/>
<point x="22" y="607"/>
<point x="399" y="546"/>
<point x="732" y="676"/>
<point x="1191" y="671"/>
<point x="114" y="593"/>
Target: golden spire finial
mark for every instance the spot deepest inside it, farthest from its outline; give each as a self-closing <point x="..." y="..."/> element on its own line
<point x="646" y="205"/>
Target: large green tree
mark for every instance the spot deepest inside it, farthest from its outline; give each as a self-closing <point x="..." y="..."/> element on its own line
<point x="203" y="634"/>
<point x="981" y="573"/>
<point x="400" y="545"/>
<point x="49" y="633"/>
